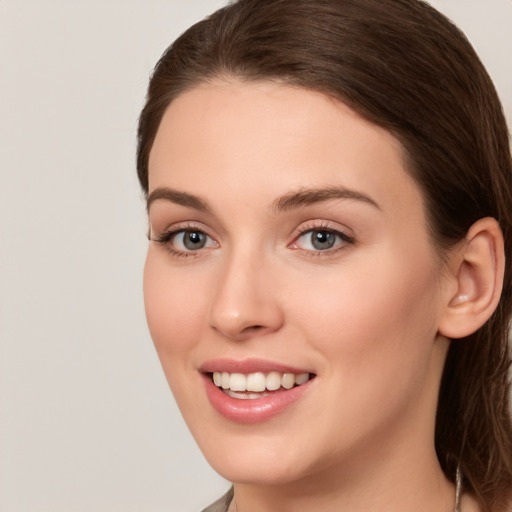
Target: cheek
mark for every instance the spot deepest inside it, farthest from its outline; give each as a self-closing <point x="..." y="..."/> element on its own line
<point x="373" y="319"/>
<point x="173" y="305"/>
<point x="374" y="332"/>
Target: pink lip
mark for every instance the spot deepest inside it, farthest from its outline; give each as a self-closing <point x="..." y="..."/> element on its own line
<point x="256" y="410"/>
<point x="248" y="366"/>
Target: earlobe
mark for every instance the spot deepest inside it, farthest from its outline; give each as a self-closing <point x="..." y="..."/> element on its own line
<point x="478" y="270"/>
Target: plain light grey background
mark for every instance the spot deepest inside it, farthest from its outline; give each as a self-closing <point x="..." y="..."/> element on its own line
<point x="86" y="420"/>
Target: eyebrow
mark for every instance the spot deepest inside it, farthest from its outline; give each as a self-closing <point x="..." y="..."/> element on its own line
<point x="178" y="197"/>
<point x="289" y="201"/>
<point x="306" y="197"/>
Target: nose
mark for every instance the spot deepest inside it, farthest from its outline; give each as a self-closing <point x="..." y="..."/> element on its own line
<point x="245" y="302"/>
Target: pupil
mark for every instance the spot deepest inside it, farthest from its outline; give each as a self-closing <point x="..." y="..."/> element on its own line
<point x="323" y="240"/>
<point x="194" y="240"/>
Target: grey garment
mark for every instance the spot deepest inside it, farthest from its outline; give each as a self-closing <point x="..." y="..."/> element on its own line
<point x="222" y="504"/>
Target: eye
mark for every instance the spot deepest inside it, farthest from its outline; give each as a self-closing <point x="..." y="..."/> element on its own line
<point x="321" y="239"/>
<point x="183" y="241"/>
<point x="190" y="240"/>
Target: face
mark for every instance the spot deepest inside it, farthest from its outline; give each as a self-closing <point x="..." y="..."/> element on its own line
<point x="289" y="257"/>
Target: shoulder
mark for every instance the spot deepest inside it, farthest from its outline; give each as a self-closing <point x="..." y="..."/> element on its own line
<point x="222" y="504"/>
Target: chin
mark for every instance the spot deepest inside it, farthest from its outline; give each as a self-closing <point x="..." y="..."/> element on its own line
<point x="252" y="458"/>
<point x="257" y="471"/>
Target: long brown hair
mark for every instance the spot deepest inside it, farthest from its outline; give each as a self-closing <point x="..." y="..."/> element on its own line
<point x="405" y="67"/>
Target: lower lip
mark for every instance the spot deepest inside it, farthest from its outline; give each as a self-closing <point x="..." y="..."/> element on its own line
<point x="253" y="410"/>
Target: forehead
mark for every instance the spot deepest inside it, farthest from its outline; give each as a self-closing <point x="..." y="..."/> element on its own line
<point x="253" y="134"/>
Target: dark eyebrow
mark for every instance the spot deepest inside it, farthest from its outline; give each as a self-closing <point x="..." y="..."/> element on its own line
<point x="177" y="197"/>
<point x="305" y="197"/>
<point x="298" y="199"/>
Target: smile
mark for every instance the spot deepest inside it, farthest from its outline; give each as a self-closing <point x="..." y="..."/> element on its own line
<point x="254" y="390"/>
<point x="256" y="385"/>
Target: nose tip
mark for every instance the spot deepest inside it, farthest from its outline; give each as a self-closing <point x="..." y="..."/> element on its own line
<point x="243" y="307"/>
<point x="237" y="326"/>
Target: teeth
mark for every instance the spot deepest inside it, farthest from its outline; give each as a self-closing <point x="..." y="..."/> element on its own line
<point x="238" y="382"/>
<point x="302" y="378"/>
<point x="273" y="381"/>
<point x="288" y="380"/>
<point x="258" y="382"/>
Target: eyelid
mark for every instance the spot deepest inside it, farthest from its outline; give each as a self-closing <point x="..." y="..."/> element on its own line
<point x="166" y="236"/>
<point x="322" y="225"/>
<point x="167" y="229"/>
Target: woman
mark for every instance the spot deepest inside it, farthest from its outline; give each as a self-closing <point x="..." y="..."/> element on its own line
<point x="329" y="191"/>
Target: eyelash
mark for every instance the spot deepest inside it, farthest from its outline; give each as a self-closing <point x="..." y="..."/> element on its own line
<point x="166" y="237"/>
<point x="344" y="240"/>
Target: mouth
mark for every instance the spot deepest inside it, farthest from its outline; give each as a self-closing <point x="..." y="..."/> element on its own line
<point x="254" y="390"/>
<point x="257" y="385"/>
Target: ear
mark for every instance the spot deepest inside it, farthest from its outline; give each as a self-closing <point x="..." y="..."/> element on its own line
<point x="475" y="278"/>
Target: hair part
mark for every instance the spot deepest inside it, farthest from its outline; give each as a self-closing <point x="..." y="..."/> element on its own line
<point x="405" y="67"/>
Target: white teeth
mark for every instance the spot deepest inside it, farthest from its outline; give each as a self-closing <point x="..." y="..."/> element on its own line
<point x="288" y="380"/>
<point x="273" y="381"/>
<point x="258" y="382"/>
<point x="302" y="378"/>
<point x="238" y="382"/>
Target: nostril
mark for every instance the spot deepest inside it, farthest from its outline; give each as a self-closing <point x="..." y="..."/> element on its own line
<point x="253" y="328"/>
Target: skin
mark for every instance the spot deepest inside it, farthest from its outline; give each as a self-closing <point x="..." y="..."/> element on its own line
<point x="363" y="316"/>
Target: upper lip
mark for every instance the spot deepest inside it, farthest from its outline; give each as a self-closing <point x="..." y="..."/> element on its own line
<point x="247" y="366"/>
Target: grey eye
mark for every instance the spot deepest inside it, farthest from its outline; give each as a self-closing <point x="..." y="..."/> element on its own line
<point x="192" y="240"/>
<point x="322" y="240"/>
<point x="318" y="240"/>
